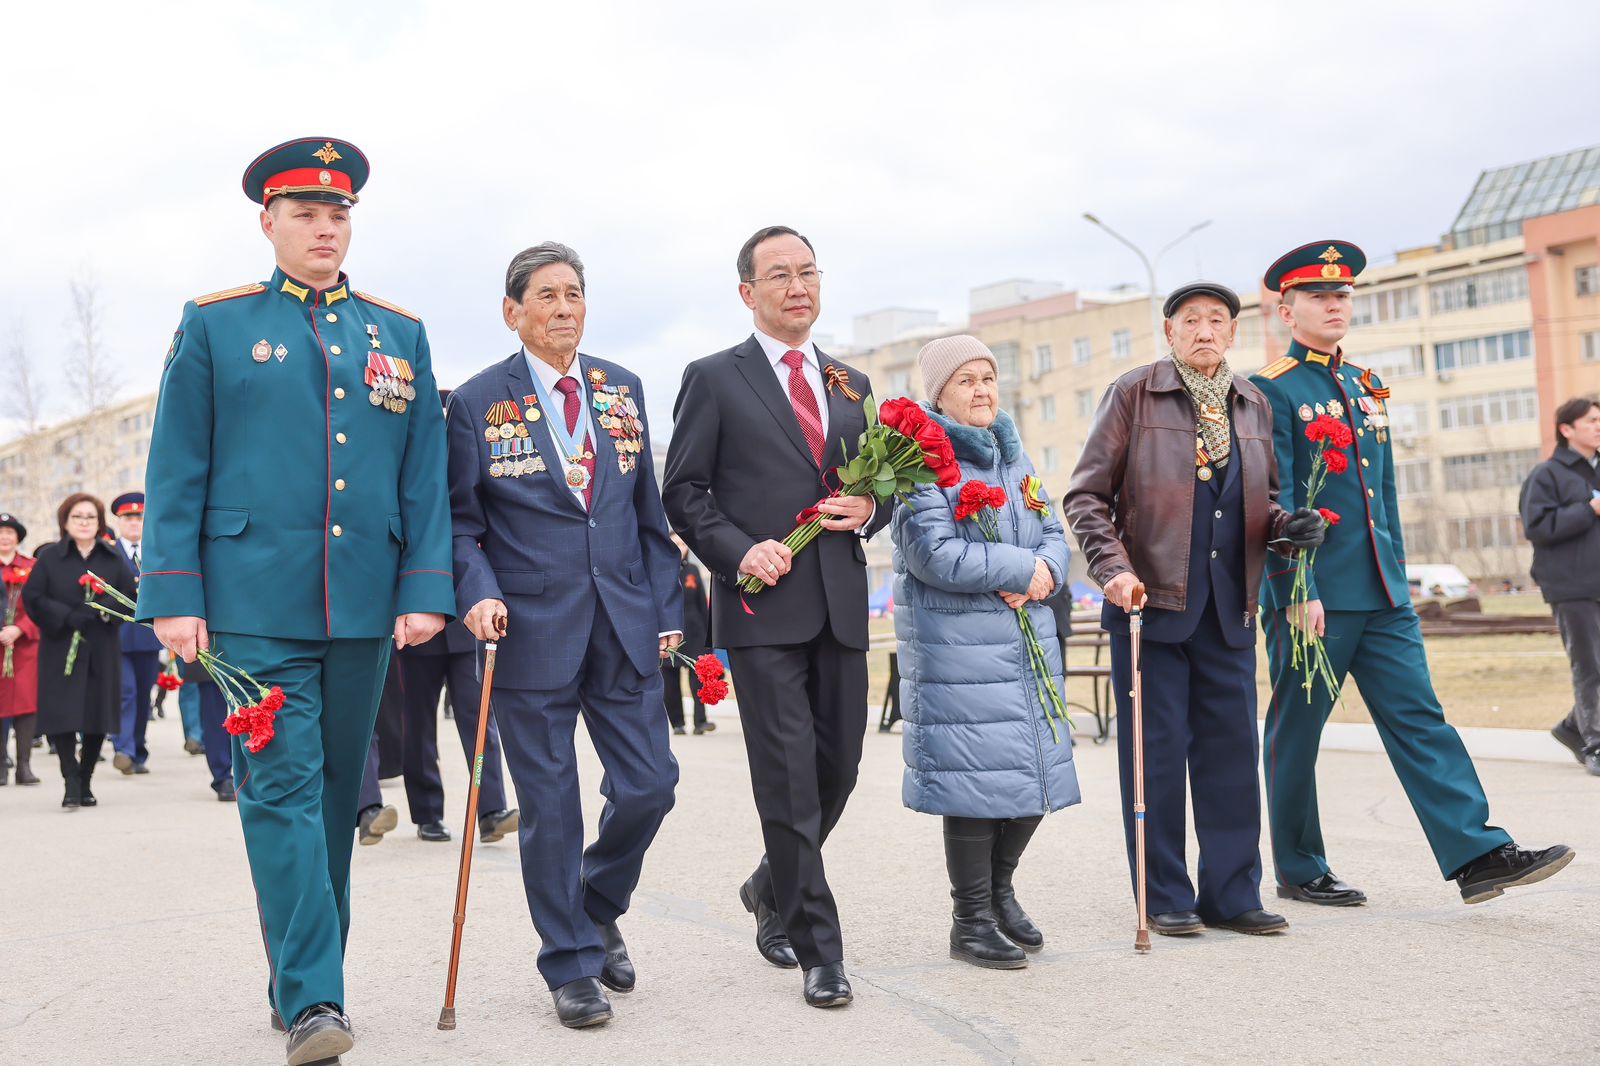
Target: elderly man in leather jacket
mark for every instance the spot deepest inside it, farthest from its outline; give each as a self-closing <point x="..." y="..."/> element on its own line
<point x="1177" y="490"/>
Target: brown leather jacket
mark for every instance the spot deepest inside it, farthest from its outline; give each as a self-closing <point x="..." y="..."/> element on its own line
<point x="1131" y="499"/>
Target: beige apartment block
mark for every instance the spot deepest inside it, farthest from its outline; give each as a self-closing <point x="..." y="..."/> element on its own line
<point x="101" y="453"/>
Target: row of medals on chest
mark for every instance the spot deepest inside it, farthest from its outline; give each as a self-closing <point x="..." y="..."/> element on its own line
<point x="389" y="378"/>
<point x="508" y="431"/>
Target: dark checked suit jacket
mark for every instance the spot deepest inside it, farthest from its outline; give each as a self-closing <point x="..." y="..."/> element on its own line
<point x="529" y="542"/>
<point x="738" y="472"/>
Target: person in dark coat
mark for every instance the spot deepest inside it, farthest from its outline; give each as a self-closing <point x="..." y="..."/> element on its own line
<point x="87" y="701"/>
<point x="696" y="642"/>
<point x="1561" y="514"/>
<point x="19" y="693"/>
<point x="141" y="651"/>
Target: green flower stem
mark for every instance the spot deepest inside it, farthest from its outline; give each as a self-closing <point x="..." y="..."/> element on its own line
<point x="238" y="688"/>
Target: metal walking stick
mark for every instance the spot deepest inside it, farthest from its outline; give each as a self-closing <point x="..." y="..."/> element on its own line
<point x="1141" y="936"/>
<point x="447" y="1016"/>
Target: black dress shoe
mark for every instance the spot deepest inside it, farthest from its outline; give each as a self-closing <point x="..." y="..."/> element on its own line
<point x="496" y="824"/>
<point x="679" y="731"/>
<point x="617" y="974"/>
<point x="1508" y="866"/>
<point x="225" y="791"/>
<point x="1255" y="922"/>
<point x="705" y="727"/>
<point x="375" y="821"/>
<point x="1570" y="738"/>
<point x="1591" y="763"/>
<point x="827" y="986"/>
<point x="582" y="1003"/>
<point x="1176" y="923"/>
<point x="87" y="799"/>
<point x="433" y="832"/>
<point x="276" y="1021"/>
<point x="771" y="940"/>
<point x="320" y="1033"/>
<point x="1327" y="890"/>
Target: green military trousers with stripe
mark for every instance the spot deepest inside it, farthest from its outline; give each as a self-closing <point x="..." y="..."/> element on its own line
<point x="1383" y="651"/>
<point x="297" y="803"/>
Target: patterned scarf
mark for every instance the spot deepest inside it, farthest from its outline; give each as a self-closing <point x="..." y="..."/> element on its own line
<point x="1210" y="399"/>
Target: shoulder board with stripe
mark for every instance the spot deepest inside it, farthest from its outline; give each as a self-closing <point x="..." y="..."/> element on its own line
<point x="252" y="289"/>
<point x="1276" y="369"/>
<point x="386" y="305"/>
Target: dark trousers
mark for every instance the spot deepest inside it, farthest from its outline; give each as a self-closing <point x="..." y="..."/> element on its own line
<point x="1199" y="714"/>
<point x="1383" y="651"/>
<point x="139" y="672"/>
<point x="570" y="888"/>
<point x="672" y="694"/>
<point x="74" y="766"/>
<point x="1579" y="621"/>
<point x="219" y="746"/>
<point x="803" y="711"/>
<point x="422" y="677"/>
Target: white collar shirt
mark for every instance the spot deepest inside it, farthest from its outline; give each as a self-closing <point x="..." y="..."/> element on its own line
<point x="547" y="376"/>
<point x="775" y="350"/>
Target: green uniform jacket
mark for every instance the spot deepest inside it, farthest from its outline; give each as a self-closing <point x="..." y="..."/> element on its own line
<point x="281" y="501"/>
<point x="1362" y="565"/>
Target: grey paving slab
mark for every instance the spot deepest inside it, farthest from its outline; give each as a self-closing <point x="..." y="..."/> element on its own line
<point x="130" y="938"/>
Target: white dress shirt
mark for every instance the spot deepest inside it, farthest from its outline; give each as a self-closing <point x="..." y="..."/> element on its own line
<point x="811" y="368"/>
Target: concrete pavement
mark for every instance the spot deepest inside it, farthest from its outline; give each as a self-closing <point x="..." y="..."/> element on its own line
<point x="131" y="938"/>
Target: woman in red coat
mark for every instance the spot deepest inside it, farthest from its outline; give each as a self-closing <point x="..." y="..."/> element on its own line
<point x="19" y="687"/>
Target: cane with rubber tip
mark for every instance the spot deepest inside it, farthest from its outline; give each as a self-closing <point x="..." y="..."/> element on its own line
<point x="447" y="1016"/>
<point x="1141" y="936"/>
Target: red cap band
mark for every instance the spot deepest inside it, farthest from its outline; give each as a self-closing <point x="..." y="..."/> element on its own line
<point x="308" y="179"/>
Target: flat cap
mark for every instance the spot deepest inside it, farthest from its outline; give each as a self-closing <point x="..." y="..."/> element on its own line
<point x="1201" y="288"/>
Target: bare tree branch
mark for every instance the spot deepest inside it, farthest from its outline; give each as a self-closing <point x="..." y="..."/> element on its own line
<point x="24" y="401"/>
<point x="90" y="372"/>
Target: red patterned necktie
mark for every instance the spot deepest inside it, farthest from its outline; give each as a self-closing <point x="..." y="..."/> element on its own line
<point x="804" y="402"/>
<point x="568" y="387"/>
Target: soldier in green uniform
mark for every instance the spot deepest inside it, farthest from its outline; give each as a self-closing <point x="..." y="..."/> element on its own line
<point x="297" y="523"/>
<point x="1360" y="604"/>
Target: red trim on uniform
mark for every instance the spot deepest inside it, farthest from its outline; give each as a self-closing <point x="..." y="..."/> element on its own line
<point x="1272" y="757"/>
<point x="1366" y="501"/>
<point x="182" y="573"/>
<point x="302" y="176"/>
<point x="408" y="573"/>
<point x="327" y="405"/>
<point x="1315" y="272"/>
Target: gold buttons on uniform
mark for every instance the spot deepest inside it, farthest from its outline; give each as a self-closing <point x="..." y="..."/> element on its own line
<point x="338" y="394"/>
<point x="1364" y="461"/>
<point x="1369" y="492"/>
<point x="331" y="317"/>
<point x="338" y="531"/>
<point x="339" y="484"/>
<point x="339" y="437"/>
<point x="336" y="350"/>
<point x="1361" y="433"/>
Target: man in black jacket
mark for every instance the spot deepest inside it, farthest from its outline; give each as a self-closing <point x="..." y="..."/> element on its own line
<point x="755" y="430"/>
<point x="696" y="642"/>
<point x="1561" y="514"/>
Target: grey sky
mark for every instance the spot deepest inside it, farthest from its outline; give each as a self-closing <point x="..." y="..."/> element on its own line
<point x="924" y="147"/>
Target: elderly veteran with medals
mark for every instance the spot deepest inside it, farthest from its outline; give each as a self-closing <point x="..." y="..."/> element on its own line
<point x="1177" y="489"/>
<point x="1359" y="602"/>
<point x="561" y="543"/>
<point x="300" y="530"/>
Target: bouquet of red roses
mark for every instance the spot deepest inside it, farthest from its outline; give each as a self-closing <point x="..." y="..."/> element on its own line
<point x="901" y="449"/>
<point x="981" y="503"/>
<point x="1329" y="437"/>
<point x="252" y="707"/>
<point x="14" y="577"/>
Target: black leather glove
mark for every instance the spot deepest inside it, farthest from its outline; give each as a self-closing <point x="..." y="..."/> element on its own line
<point x="82" y="616"/>
<point x="1304" y="530"/>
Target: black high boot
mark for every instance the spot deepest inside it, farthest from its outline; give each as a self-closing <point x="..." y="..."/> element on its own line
<point x="86" y="765"/>
<point x="969" y="858"/>
<point x="1010" y="842"/>
<point x="66" y="745"/>
<point x="23" y="728"/>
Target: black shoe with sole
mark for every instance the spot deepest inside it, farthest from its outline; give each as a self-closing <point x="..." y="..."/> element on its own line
<point x="617" y="974"/>
<point x="433" y="832"/>
<point x="1253" y="923"/>
<point x="679" y="731"/>
<point x="1176" y="923"/>
<point x="581" y="1003"/>
<point x="373" y="822"/>
<point x="705" y="727"/>
<point x="1591" y="763"/>
<point x="827" y="986"/>
<point x="771" y="939"/>
<point x="1508" y="866"/>
<point x="1570" y="738"/>
<point x="321" y="1033"/>
<point x="1327" y="890"/>
<point x="225" y="791"/>
<point x="496" y="824"/>
<point x="969" y="861"/>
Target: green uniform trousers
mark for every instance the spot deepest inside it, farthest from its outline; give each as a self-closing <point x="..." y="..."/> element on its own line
<point x="297" y="802"/>
<point x="1383" y="651"/>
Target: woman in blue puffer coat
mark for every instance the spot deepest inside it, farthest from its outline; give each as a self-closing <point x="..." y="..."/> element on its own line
<point x="978" y="746"/>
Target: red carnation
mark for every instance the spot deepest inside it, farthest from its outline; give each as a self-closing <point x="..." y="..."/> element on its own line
<point x="236" y="724"/>
<point x="274" y="701"/>
<point x="713" y="692"/>
<point x="260" y="737"/>
<point x="974" y="497"/>
<point x="708" y="668"/>
<point x="1338" y="462"/>
<point x="1330" y="517"/>
<point x="997" y="497"/>
<point x="1339" y="433"/>
<point x="92" y="583"/>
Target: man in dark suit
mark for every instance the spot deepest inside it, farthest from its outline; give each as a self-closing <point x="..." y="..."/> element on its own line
<point x="560" y="539"/>
<point x="141" y="651"/>
<point x="696" y="642"/>
<point x="755" y="428"/>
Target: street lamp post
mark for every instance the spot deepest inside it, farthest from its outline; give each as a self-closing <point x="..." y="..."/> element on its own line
<point x="1150" y="271"/>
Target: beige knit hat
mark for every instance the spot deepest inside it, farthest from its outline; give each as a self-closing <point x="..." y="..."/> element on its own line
<point x="940" y="359"/>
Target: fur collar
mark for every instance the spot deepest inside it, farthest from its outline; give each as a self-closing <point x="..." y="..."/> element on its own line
<point x="983" y="447"/>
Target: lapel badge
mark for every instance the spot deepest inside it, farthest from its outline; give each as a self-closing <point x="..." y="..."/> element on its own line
<point x="280" y="351"/>
<point x="372" y="335"/>
<point x="597" y="377"/>
<point x="1306" y="414"/>
<point x="1321" y="410"/>
<point x="261" y="352"/>
<point x="1336" y="409"/>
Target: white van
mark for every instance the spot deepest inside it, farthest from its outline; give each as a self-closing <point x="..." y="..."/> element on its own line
<point x="1438" y="579"/>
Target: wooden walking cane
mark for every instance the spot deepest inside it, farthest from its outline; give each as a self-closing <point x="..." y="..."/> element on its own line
<point x="1141" y="936"/>
<point x="447" y="1016"/>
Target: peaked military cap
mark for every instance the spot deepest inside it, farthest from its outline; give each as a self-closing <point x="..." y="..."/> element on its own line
<point x="310" y="168"/>
<point x="1321" y="266"/>
<point x="129" y="503"/>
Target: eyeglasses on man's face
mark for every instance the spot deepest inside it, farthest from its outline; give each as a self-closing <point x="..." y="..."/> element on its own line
<point x="782" y="279"/>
